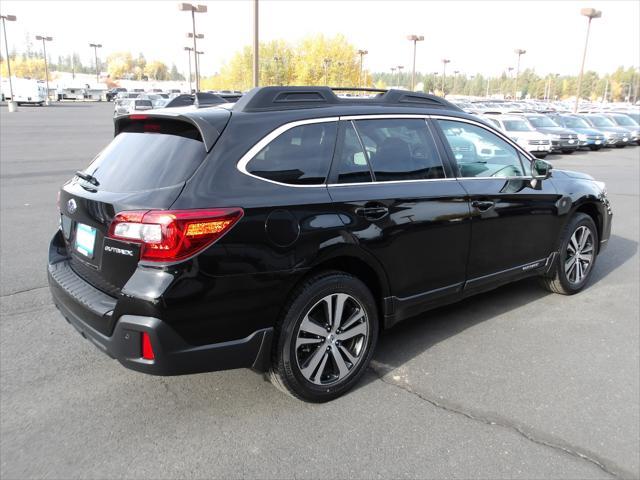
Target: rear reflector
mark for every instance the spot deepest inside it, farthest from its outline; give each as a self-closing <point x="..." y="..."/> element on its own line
<point x="171" y="235"/>
<point x="147" y="349"/>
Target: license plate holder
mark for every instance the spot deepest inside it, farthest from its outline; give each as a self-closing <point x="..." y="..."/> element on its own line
<point x="85" y="240"/>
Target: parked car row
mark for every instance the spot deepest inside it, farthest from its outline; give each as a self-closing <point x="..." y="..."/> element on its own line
<point x="555" y="132"/>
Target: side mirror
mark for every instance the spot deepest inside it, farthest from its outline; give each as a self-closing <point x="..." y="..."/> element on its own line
<point x="541" y="169"/>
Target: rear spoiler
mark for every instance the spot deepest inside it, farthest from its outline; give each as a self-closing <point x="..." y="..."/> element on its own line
<point x="209" y="122"/>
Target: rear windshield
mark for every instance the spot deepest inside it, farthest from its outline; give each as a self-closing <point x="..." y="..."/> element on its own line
<point x="134" y="162"/>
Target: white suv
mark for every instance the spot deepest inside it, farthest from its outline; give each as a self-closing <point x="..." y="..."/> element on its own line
<point x="521" y="131"/>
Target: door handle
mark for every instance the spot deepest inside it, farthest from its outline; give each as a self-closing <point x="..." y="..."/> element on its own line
<point x="373" y="213"/>
<point x="482" y="206"/>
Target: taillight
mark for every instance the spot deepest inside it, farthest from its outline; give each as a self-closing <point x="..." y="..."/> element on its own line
<point x="147" y="349"/>
<point x="170" y="235"/>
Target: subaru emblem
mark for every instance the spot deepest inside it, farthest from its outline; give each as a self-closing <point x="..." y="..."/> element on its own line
<point x="72" y="206"/>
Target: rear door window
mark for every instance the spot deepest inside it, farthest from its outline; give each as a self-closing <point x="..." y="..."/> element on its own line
<point x="137" y="161"/>
<point x="400" y="149"/>
<point x="299" y="156"/>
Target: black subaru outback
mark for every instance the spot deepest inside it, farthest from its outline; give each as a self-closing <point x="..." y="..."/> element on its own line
<point x="282" y="233"/>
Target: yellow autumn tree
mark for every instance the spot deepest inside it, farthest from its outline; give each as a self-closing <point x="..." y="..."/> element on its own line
<point x="24" y="67"/>
<point x="119" y="64"/>
<point x="315" y="60"/>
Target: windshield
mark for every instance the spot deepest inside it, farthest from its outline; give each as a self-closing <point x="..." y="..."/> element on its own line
<point x="542" y="122"/>
<point x="573" y="122"/>
<point x="134" y="162"/>
<point x="144" y="103"/>
<point x="517" y="126"/>
<point x="624" y="120"/>
<point x="601" y="122"/>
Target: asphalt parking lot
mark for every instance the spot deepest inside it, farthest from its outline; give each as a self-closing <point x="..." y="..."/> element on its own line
<point x="515" y="383"/>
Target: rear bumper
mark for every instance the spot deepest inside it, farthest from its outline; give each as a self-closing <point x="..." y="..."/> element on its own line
<point x="172" y="355"/>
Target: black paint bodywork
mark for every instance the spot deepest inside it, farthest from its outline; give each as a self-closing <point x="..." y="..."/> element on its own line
<point x="217" y="310"/>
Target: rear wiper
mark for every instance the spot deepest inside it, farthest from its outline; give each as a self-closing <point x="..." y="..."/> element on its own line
<point x="89" y="178"/>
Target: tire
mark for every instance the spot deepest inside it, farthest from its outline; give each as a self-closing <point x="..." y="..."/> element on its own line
<point x="568" y="151"/>
<point x="594" y="148"/>
<point x="540" y="155"/>
<point x="311" y="373"/>
<point x="618" y="145"/>
<point x="567" y="282"/>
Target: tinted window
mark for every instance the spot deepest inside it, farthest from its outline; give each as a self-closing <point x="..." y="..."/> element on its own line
<point x="133" y="162"/>
<point x="299" y="156"/>
<point x="480" y="153"/>
<point x="400" y="149"/>
<point x="351" y="161"/>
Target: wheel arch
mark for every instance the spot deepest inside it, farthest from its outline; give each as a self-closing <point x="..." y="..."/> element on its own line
<point x="591" y="208"/>
<point x="362" y="266"/>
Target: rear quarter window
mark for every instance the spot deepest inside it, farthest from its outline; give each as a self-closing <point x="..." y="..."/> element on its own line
<point x="299" y="156"/>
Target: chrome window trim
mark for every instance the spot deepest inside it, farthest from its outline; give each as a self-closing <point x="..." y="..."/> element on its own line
<point x="392" y="181"/>
<point x="253" y="151"/>
<point x="246" y="158"/>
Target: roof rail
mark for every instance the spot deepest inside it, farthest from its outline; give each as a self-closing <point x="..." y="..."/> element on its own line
<point x="288" y="98"/>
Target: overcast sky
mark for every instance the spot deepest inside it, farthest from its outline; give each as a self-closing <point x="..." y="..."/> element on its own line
<point x="478" y="36"/>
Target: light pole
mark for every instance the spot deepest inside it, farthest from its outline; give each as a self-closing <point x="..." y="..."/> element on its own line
<point x="325" y="63"/>
<point x="415" y="39"/>
<point x="552" y="86"/>
<point x="197" y="55"/>
<point x="362" y="53"/>
<point x="95" y="47"/>
<point x="444" y="75"/>
<point x="590" y="13"/>
<point x="519" y="52"/>
<point x="455" y="78"/>
<point x="340" y="65"/>
<point x="188" y="7"/>
<point x="11" y="105"/>
<point x="196" y="60"/>
<point x="399" y="67"/>
<point x="393" y="75"/>
<point x="46" y="67"/>
<point x="277" y="59"/>
<point x="189" y="50"/>
<point x="256" y="45"/>
<point x="510" y="70"/>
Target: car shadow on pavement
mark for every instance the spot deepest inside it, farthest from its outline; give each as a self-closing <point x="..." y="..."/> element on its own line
<point x="413" y="336"/>
<point x="618" y="251"/>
